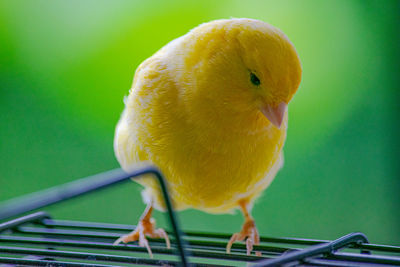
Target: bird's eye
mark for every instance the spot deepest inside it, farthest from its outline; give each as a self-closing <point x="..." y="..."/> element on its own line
<point x="254" y="79"/>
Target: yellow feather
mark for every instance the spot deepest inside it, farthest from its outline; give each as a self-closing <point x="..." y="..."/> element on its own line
<point x="194" y="113"/>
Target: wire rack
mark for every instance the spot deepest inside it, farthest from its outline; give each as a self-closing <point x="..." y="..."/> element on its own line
<point x="38" y="239"/>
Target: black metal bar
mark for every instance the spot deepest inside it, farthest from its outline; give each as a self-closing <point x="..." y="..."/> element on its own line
<point x="378" y="259"/>
<point x="325" y="248"/>
<point x="34" y="217"/>
<point x="106" y="235"/>
<point x="60" y="193"/>
<point x="281" y="240"/>
<point x="86" y="185"/>
<point x="88" y="225"/>
<point x="226" y="236"/>
<point x="80" y="244"/>
<point x="128" y="247"/>
<point x="330" y="260"/>
<point x="376" y="247"/>
<point x="84" y="255"/>
<point x="173" y="220"/>
<point x="31" y="262"/>
<point x="327" y="263"/>
<point x="194" y="242"/>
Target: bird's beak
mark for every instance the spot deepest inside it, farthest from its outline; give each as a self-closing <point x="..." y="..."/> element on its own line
<point x="274" y="114"/>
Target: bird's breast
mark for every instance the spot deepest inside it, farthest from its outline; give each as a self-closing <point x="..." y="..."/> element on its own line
<point x="209" y="158"/>
<point x="210" y="165"/>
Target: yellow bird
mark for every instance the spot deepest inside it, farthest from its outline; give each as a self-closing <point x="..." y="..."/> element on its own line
<point x="210" y="110"/>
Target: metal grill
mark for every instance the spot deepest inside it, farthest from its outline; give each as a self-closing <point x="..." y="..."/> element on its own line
<point x="39" y="240"/>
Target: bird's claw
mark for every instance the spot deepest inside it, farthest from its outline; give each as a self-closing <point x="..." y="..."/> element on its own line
<point x="144" y="228"/>
<point x="248" y="232"/>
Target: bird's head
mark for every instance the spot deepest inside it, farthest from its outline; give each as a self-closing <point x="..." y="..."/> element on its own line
<point x="246" y="65"/>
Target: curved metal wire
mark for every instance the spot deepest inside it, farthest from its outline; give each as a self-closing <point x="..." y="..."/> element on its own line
<point x="325" y="248"/>
<point x="93" y="183"/>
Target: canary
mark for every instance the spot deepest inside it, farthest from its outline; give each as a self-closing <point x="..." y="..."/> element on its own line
<point x="210" y="110"/>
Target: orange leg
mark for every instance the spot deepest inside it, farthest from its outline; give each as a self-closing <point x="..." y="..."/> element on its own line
<point x="248" y="232"/>
<point x="145" y="227"/>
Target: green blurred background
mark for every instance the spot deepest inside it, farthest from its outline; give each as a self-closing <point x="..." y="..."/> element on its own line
<point x="66" y="65"/>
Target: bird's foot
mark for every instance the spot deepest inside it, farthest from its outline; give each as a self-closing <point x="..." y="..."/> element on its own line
<point x="145" y="227"/>
<point x="248" y="232"/>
